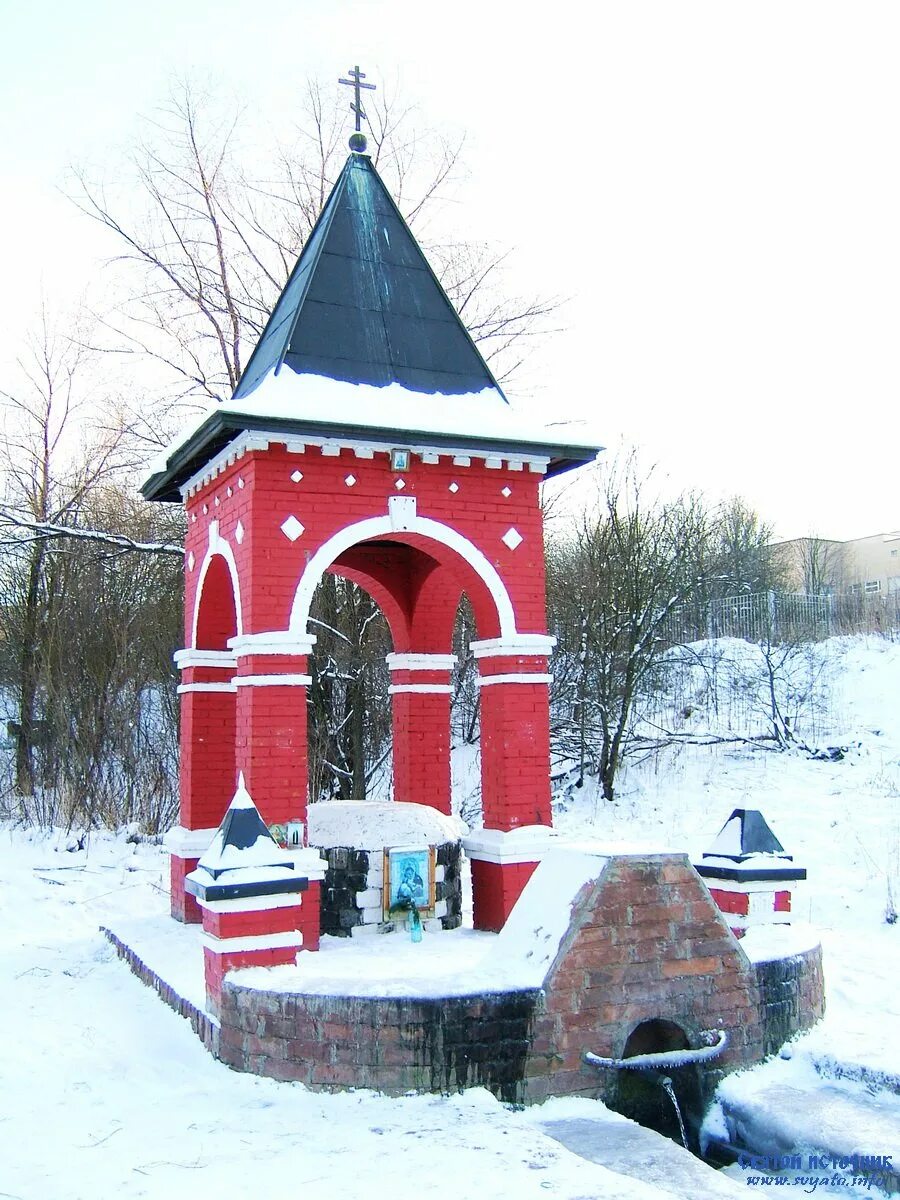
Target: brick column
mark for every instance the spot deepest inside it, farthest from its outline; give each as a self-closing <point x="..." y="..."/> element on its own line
<point x="515" y="730"/>
<point x="420" y="690"/>
<point x="502" y="864"/>
<point x="749" y="873"/>
<point x="207" y="768"/>
<point x="254" y="897"/>
<point x="270" y="739"/>
<point x="515" y="772"/>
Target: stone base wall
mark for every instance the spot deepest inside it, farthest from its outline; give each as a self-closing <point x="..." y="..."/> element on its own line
<point x="393" y="1046"/>
<point x="792" y="996"/>
<point x="645" y="944"/>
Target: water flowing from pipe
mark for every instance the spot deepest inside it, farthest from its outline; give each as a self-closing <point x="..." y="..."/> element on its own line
<point x="668" y="1088"/>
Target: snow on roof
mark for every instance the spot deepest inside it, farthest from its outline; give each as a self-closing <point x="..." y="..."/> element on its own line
<point x="728" y="841"/>
<point x="369" y="825"/>
<point x="242" y="840"/>
<point x="335" y="405"/>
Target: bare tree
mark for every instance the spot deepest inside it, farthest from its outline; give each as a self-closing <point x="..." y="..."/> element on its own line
<point x="56" y="448"/>
<point x="348" y="702"/>
<point x="612" y="588"/>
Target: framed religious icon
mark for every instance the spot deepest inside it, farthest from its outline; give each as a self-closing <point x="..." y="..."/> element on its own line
<point x="408" y="880"/>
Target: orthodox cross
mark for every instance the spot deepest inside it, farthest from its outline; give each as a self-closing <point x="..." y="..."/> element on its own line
<point x="356" y="82"/>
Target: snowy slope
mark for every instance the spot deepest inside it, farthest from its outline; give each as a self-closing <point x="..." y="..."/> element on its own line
<point x="108" y="1093"/>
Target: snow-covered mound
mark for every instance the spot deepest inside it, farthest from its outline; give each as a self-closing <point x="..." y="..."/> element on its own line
<point x="368" y="825"/>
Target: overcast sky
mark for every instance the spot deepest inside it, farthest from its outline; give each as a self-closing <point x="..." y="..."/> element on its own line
<point x="714" y="186"/>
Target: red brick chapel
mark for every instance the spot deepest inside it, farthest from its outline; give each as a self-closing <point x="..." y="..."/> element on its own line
<point x="366" y="437"/>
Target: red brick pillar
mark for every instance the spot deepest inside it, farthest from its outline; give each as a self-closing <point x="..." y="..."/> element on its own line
<point x="502" y="864"/>
<point x="207" y="770"/>
<point x="515" y="771"/>
<point x="515" y="731"/>
<point x="271" y="740"/>
<point x="420" y="691"/>
<point x="255" y="897"/>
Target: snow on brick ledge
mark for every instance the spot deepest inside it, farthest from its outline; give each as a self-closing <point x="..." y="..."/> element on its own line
<point x="368" y="825"/>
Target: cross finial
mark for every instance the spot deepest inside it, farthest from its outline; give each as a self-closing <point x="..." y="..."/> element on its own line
<point x="358" y="139"/>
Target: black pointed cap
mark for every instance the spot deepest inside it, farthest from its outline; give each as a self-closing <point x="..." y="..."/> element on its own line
<point x="744" y="836"/>
<point x="362" y="304"/>
<point x="243" y="860"/>
<point x="745" y="832"/>
<point x="242" y="840"/>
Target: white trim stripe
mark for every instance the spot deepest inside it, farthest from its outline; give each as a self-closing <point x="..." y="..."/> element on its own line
<point x="272" y="680"/>
<point x="254" y="903"/>
<point x="520" y="644"/>
<point x="220" y="660"/>
<point x="420" y="662"/>
<point x="262" y="941"/>
<point x="432" y="689"/>
<point x="188" y="843"/>
<point x="205" y="687"/>
<point x="275" y="641"/>
<point x="489" y="680"/>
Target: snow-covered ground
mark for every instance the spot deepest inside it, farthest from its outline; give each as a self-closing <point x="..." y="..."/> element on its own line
<point x="106" y="1092"/>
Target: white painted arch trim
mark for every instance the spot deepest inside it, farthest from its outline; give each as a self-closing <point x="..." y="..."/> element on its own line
<point x="425" y="689"/>
<point x="490" y="680"/>
<point x="217" y="545"/>
<point x="374" y="527"/>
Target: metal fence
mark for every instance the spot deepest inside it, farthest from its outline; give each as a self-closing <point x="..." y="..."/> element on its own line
<point x="783" y="617"/>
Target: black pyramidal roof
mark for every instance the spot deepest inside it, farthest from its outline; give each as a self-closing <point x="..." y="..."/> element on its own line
<point x="243" y="841"/>
<point x="362" y="304"/>
<point x="754" y="837"/>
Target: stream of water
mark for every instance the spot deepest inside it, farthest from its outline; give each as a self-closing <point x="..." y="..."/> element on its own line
<point x="666" y="1084"/>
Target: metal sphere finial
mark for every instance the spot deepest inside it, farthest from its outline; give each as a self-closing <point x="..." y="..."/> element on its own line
<point x="358" y="143"/>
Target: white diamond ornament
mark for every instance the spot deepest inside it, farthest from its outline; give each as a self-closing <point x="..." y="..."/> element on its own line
<point x="512" y="538"/>
<point x="291" y="528"/>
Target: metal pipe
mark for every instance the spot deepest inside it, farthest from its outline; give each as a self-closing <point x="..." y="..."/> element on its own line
<point x="666" y="1058"/>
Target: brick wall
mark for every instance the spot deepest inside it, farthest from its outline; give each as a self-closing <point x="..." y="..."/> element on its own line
<point x="393" y="1045"/>
<point x="792" y="996"/>
<point x="645" y="943"/>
